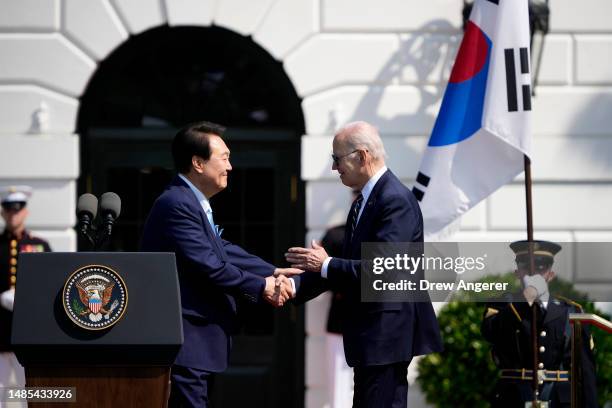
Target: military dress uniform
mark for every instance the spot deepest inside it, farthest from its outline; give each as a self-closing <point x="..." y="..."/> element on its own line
<point x="10" y="248"/>
<point x="507" y="325"/>
<point x="13" y="200"/>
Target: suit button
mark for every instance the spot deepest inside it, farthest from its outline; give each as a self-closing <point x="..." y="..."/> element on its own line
<point x="543" y="334"/>
<point x="542" y="349"/>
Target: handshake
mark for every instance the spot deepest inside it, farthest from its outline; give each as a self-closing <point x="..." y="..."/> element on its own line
<point x="279" y="287"/>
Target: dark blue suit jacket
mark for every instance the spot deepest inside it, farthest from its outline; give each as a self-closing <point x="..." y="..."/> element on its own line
<point x="384" y="332"/>
<point x="212" y="272"/>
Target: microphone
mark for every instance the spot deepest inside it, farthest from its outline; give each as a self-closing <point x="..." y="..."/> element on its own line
<point x="110" y="208"/>
<point x="87" y="208"/>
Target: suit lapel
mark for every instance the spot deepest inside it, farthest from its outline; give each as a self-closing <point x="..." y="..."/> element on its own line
<point x="207" y="227"/>
<point x="364" y="220"/>
<point x="368" y="211"/>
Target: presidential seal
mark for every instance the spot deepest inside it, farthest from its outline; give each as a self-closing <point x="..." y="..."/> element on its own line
<point x="95" y="297"/>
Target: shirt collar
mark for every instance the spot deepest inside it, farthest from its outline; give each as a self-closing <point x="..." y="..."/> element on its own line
<point x="367" y="189"/>
<point x="199" y="195"/>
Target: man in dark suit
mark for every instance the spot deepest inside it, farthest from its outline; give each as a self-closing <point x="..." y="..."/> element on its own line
<point x="212" y="271"/>
<point x="380" y="338"/>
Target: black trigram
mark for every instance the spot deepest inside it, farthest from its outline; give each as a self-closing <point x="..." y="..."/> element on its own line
<point x="423" y="180"/>
<point x="511" y="79"/>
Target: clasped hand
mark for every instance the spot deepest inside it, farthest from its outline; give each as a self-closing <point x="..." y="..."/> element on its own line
<point x="278" y="290"/>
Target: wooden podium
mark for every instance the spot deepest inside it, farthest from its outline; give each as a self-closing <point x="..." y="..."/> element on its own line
<point x="99" y="386"/>
<point x="577" y="320"/>
<point x="107" y="324"/>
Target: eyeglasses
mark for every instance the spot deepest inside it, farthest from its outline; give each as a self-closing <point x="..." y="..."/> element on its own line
<point x="337" y="159"/>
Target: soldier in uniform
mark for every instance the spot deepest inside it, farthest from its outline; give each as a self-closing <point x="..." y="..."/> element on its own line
<point x="13" y="241"/>
<point x="507" y="326"/>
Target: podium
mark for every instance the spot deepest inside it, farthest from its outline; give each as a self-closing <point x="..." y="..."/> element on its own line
<point x="107" y="324"/>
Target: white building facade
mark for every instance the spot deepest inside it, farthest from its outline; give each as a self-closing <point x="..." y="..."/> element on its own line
<point x="386" y="62"/>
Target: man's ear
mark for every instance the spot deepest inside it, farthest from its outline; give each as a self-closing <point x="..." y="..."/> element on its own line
<point x="362" y="156"/>
<point x="198" y="163"/>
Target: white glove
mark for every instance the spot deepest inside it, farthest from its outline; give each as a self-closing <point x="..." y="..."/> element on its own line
<point x="539" y="284"/>
<point x="7" y="298"/>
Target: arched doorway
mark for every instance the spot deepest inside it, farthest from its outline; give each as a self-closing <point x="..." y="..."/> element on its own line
<point x="156" y="82"/>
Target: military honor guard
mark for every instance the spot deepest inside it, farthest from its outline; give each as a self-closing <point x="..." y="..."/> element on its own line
<point x="15" y="239"/>
<point x="507" y="325"/>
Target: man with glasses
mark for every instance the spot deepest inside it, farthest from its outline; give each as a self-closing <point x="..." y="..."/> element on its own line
<point x="507" y="326"/>
<point x="14" y="240"/>
<point x="380" y="338"/>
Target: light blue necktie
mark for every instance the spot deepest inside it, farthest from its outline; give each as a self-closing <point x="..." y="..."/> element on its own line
<point x="210" y="218"/>
<point x="215" y="228"/>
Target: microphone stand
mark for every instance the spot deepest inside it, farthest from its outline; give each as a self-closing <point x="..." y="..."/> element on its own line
<point x="98" y="237"/>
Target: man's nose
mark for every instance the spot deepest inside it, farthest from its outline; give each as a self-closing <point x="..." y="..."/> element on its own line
<point x="229" y="166"/>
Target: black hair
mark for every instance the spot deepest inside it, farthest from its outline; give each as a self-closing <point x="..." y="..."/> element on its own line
<point x="193" y="140"/>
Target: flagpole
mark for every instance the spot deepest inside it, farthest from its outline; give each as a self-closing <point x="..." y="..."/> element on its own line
<point x="534" y="335"/>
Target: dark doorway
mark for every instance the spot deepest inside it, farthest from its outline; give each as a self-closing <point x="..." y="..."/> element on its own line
<point x="162" y="79"/>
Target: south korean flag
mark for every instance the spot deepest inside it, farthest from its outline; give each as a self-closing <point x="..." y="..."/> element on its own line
<point x="482" y="131"/>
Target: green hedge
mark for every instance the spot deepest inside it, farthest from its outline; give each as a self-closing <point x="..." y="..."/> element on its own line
<point x="464" y="373"/>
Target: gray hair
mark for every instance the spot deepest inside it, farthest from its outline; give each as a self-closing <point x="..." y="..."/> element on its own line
<point x="362" y="135"/>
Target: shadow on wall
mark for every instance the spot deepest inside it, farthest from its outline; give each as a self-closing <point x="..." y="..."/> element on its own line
<point x="592" y="127"/>
<point x="423" y="62"/>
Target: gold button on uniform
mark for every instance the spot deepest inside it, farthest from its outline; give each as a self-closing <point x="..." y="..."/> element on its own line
<point x="541" y="365"/>
<point x="13" y="279"/>
<point x="13" y="244"/>
<point x="542" y="349"/>
<point x="13" y="270"/>
<point x="13" y="261"/>
<point x="543" y="334"/>
<point x="14" y="252"/>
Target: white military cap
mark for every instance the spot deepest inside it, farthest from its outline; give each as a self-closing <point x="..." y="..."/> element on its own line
<point x="15" y="194"/>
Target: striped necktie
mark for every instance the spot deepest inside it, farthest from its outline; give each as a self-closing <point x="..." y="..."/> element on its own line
<point x="355" y="213"/>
